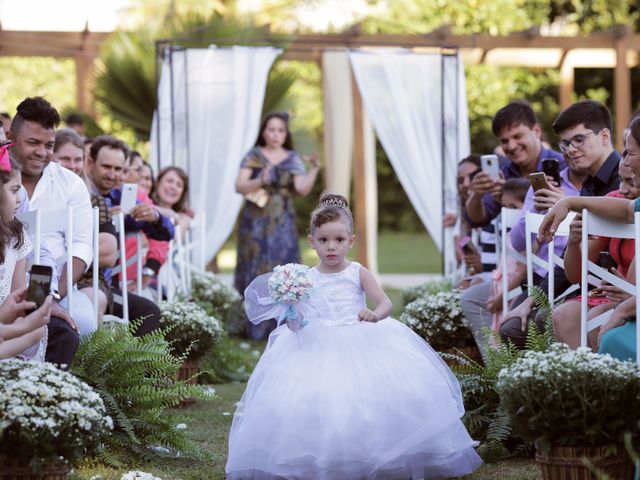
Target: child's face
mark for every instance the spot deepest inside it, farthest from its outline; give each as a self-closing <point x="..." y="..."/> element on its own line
<point x="510" y="200"/>
<point x="332" y="241"/>
<point x="10" y="197"/>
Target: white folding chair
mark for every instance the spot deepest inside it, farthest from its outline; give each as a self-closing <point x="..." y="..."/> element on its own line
<point x="591" y="273"/>
<point x="532" y="225"/>
<point x="53" y="221"/>
<point x="508" y="218"/>
<point x="121" y="269"/>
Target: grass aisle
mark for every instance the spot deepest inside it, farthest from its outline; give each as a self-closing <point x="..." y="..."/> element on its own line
<point x="209" y="423"/>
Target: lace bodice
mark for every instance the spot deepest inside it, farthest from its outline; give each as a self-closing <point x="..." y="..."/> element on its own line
<point x="337" y="297"/>
<point x="11" y="257"/>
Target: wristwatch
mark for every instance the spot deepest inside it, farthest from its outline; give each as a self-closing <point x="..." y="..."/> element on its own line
<point x="148" y="272"/>
<point x="55" y="295"/>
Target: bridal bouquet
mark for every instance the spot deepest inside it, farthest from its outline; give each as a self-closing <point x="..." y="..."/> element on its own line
<point x="288" y="285"/>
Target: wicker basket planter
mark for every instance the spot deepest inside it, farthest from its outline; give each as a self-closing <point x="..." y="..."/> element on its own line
<point x="568" y="463"/>
<point x="187" y="373"/>
<point x="13" y="470"/>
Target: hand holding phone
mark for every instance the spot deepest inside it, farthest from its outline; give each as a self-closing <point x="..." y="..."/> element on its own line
<point x="538" y="181"/>
<point x="467" y="246"/>
<point x="128" y="198"/>
<point x="606" y="261"/>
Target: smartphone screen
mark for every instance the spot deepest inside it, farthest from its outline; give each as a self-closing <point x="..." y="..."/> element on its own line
<point x="128" y="198"/>
<point x="551" y="168"/>
<point x="39" y="284"/>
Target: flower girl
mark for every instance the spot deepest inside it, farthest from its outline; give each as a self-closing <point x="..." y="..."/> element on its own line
<point x="352" y="395"/>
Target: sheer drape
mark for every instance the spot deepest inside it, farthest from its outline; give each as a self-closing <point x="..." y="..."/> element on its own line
<point x="409" y="98"/>
<point x="210" y="101"/>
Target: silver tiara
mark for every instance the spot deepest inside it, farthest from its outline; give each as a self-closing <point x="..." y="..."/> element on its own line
<point x="334" y="202"/>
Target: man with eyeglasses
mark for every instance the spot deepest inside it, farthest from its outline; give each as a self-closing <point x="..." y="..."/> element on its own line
<point x="586" y="136"/>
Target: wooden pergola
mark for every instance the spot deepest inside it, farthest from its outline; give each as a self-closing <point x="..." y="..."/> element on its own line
<point x="617" y="49"/>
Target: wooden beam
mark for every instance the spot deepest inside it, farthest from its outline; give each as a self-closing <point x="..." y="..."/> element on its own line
<point x="622" y="92"/>
<point x="567" y="81"/>
<point x="359" y="177"/>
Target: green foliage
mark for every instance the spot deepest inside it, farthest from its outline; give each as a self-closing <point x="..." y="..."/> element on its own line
<point x="566" y="397"/>
<point x="135" y="376"/>
<point x="485" y="417"/>
<point x="232" y="360"/>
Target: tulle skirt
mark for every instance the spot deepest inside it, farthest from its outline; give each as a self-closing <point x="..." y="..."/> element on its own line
<point x="358" y="401"/>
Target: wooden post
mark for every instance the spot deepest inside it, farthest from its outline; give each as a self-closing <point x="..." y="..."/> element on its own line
<point x="84" y="83"/>
<point x="359" y="178"/>
<point x="567" y="81"/>
<point x="622" y="92"/>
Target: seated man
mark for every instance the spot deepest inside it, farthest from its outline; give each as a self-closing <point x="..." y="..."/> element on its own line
<point x="103" y="169"/>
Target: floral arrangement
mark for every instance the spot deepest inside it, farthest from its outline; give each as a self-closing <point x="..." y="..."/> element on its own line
<point x="429" y="288"/>
<point x="47" y="413"/>
<point x="439" y="320"/>
<point x="192" y="331"/>
<point x="566" y="397"/>
<point x="289" y="283"/>
<point x="219" y="300"/>
<point x="288" y="286"/>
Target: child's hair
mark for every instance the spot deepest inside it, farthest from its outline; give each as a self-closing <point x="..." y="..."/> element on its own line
<point x="11" y="231"/>
<point x="518" y="187"/>
<point x="331" y="208"/>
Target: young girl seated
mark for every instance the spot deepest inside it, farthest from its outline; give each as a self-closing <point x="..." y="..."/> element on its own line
<point x="360" y="397"/>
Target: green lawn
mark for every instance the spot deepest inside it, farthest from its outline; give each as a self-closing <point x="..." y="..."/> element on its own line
<point x="397" y="253"/>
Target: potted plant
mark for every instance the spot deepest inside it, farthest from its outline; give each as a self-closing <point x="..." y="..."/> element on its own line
<point x="219" y="300"/>
<point x="438" y="318"/>
<point x="192" y="333"/>
<point x="575" y="407"/>
<point x="48" y="419"/>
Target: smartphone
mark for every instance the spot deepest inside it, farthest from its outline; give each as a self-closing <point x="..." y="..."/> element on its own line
<point x="128" y="198"/>
<point x="551" y="168"/>
<point x="605" y="261"/>
<point x="39" y="284"/>
<point x="538" y="181"/>
<point x="467" y="246"/>
<point x="490" y="166"/>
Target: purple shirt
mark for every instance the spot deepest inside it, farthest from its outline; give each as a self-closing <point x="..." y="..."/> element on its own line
<point x="518" y="239"/>
<point x="510" y="170"/>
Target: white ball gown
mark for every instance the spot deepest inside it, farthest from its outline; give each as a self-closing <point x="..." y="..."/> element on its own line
<point x="356" y="401"/>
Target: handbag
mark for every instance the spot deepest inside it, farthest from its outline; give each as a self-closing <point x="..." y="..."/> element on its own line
<point x="258" y="197"/>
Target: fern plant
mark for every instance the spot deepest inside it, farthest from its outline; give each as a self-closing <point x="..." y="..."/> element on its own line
<point x="135" y="376"/>
<point x="485" y="417"/>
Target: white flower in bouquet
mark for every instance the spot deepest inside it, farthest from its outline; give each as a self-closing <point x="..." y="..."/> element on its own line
<point x="290" y="283"/>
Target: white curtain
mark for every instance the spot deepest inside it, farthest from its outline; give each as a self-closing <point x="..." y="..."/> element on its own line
<point x="210" y="101"/>
<point x="408" y="96"/>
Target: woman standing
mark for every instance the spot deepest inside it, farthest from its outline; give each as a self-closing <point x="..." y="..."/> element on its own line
<point x="270" y="175"/>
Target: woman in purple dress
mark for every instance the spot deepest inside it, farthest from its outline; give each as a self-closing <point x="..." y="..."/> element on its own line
<point x="270" y="175"/>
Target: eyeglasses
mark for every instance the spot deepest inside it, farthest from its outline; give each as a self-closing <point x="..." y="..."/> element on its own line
<point x="576" y="142"/>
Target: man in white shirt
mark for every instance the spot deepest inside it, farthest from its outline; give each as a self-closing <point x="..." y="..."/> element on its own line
<point x="51" y="187"/>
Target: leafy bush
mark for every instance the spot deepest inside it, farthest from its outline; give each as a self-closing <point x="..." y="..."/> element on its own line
<point x="566" y="397"/>
<point x="439" y="320"/>
<point x="191" y="331"/>
<point x="219" y="300"/>
<point x="47" y="413"/>
<point x="429" y="288"/>
<point x="135" y="376"/>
